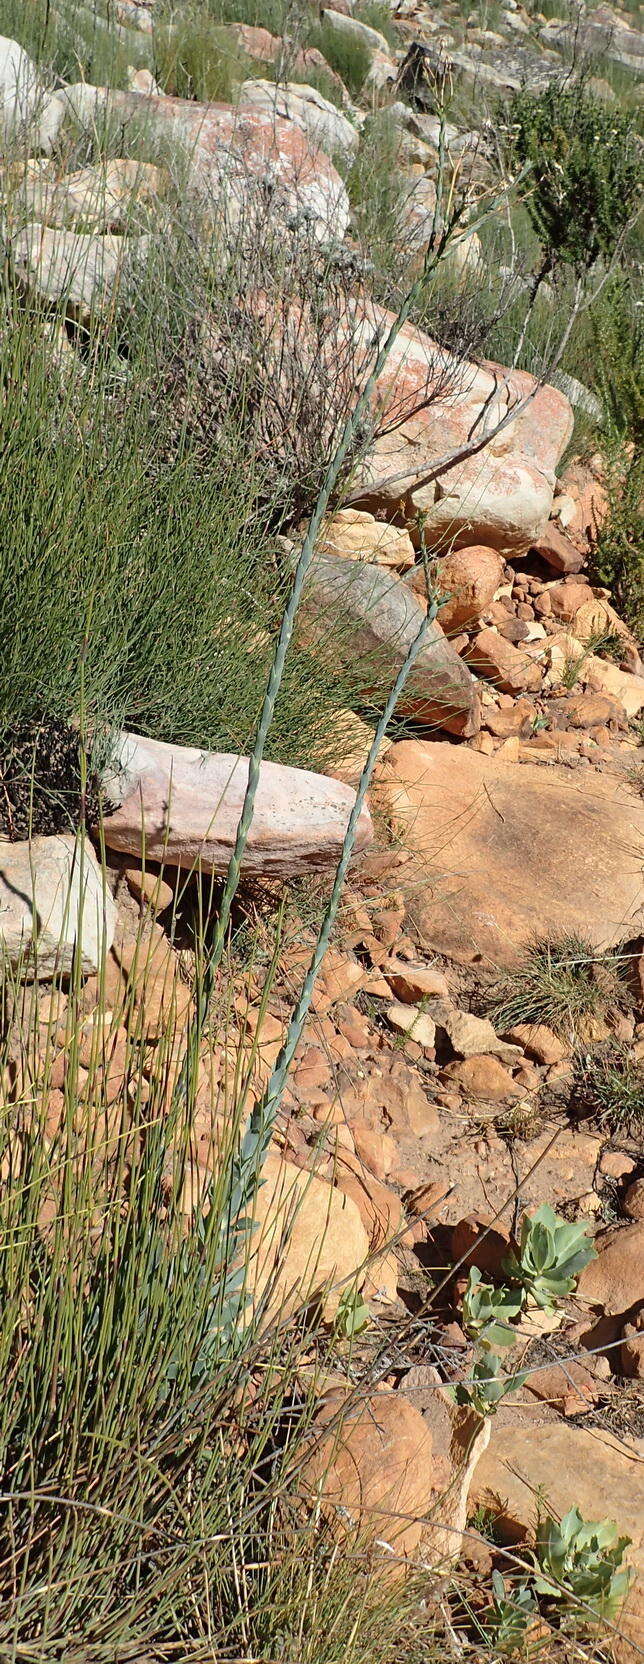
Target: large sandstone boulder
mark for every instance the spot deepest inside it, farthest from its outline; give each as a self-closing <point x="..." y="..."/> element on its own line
<point x="354" y="30"/>
<point x="458" y="1437"/>
<point x="376" y="619"/>
<point x="468" y="579"/>
<point x="511" y="852"/>
<point x="235" y="155"/>
<point x="308" y="1243"/>
<point x="54" y="905"/>
<point x="27" y="109"/>
<point x="615" y="1280"/>
<point x="78" y="269"/>
<point x="353" y="534"/>
<point x="182" y="806"/>
<point x="105" y="198"/>
<point x="20" y="91"/>
<point x="314" y="115"/>
<point x="432" y="405"/>
<point x="602" y="31"/>
<point x="373" y="1472"/>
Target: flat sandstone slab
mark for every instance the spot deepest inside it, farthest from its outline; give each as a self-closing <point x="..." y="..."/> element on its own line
<point x="182" y="806"/>
<point x="512" y="852"/>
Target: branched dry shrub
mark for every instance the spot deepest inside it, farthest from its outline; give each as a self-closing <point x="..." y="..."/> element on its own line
<point x="272" y="359"/>
<point x="269" y="346"/>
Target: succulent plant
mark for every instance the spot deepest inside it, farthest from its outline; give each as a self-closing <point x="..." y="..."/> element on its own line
<point x="507" y="1620"/>
<point x="487" y="1385"/>
<point x="581" y="1562"/>
<point x="552" y="1252"/>
<point x="352" y="1315"/>
<point x="487" y="1311"/>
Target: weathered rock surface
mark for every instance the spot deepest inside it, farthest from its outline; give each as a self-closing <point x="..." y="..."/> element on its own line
<point x="603" y="30"/>
<point x="21" y="92"/>
<point x="539" y="1042"/>
<point x="182" y="806"/>
<point x="510" y="669"/>
<point x="511" y="853"/>
<point x="471" y="1036"/>
<point x="622" y="685"/>
<point x="259" y="44"/>
<point x="354" y="30"/>
<point x="432" y="408"/>
<point x="304" y="105"/>
<point x="527" y="1457"/>
<point x="54" y="904"/>
<point x="634" y="1200"/>
<point x="352" y="534"/>
<point x="408" y="1019"/>
<point x="379" y="618"/>
<point x="76" y="268"/>
<point x="632" y="1348"/>
<point x="458" y="1440"/>
<point x="101" y="199"/>
<point x="483" y="1077"/>
<point x="615" y="1280"/>
<point x="234" y="154"/>
<point x="411" y="982"/>
<point x="308" y="1242"/>
<point x="469" y="579"/>
<point x="374" y="1472"/>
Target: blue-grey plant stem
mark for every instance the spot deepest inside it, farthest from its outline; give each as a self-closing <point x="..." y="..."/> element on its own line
<point x="263" y="1116"/>
<point x="345" y="442"/>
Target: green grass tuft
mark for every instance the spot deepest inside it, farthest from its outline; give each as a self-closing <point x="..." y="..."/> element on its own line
<point x="609" y="1089"/>
<point x="560" y="982"/>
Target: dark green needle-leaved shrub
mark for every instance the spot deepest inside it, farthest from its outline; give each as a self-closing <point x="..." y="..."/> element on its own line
<point x="585" y="171"/>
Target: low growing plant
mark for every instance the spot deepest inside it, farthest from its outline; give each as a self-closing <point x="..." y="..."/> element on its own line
<point x="551" y="1255"/>
<point x="609" y="1086"/>
<point x="352" y="1316"/>
<point x="559" y="982"/>
<point x="581" y="1563"/>
<point x="487" y="1311"/>
<point x="487" y="1385"/>
<point x="507" y="1620"/>
<point x="618" y="552"/>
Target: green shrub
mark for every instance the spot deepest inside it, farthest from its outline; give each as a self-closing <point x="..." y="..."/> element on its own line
<point x="151" y="1455"/>
<point x="616" y="325"/>
<point x="585" y="171"/>
<point x="618" y="552"/>
<point x="377" y="14"/>
<point x="139" y="574"/>
<point x="487" y="1385"/>
<point x="197" y="58"/>
<point x="487" y="1311"/>
<point x="75" y="40"/>
<point x="551" y="1254"/>
<point x="374" y="188"/>
<point x="272" y="15"/>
